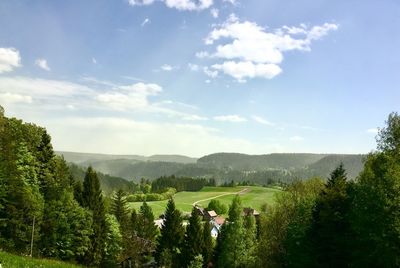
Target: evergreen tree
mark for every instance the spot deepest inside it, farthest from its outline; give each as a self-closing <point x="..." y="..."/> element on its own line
<point x="146" y="228"/>
<point x="330" y="230"/>
<point x="232" y="247"/>
<point x="119" y="207"/>
<point x="192" y="245"/>
<point x="171" y="236"/>
<point x="93" y="200"/>
<point x="207" y="244"/>
<point x="113" y="242"/>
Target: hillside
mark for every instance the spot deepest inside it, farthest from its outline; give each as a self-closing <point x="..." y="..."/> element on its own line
<point x="222" y="166"/>
<point x="108" y="183"/>
<point x="75" y="157"/>
<point x="13" y="261"/>
<point x="237" y="161"/>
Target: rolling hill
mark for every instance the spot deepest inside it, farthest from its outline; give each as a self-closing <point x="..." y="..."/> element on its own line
<point x="221" y="166"/>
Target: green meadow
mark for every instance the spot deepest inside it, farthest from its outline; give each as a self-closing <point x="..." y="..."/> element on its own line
<point x="8" y="260"/>
<point x="251" y="196"/>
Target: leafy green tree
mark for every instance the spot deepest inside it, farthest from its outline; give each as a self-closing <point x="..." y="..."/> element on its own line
<point x="330" y="229"/>
<point x="375" y="213"/>
<point x="119" y="207"/>
<point x="93" y="200"/>
<point x="283" y="232"/>
<point x="197" y="262"/>
<point x="192" y="245"/>
<point x="171" y="236"/>
<point x="217" y="206"/>
<point x="67" y="228"/>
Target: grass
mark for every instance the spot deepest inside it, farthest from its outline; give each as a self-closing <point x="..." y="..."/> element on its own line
<point x="252" y="196"/>
<point x="8" y="260"/>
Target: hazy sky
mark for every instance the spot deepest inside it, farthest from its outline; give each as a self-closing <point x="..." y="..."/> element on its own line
<point x="200" y="76"/>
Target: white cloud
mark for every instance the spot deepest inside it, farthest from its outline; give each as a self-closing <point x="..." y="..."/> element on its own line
<point x="189" y="5"/>
<point x="247" y="69"/>
<point x="98" y="134"/>
<point x="193" y="117"/>
<point x="193" y="67"/>
<point x="167" y="67"/>
<point x="202" y="54"/>
<point x="296" y="138"/>
<point x="129" y="97"/>
<point x="43" y="88"/>
<point x="230" y="118"/>
<point x="233" y="2"/>
<point x="8" y="98"/>
<point x="140" y="2"/>
<point x="42" y="63"/>
<point x="373" y="130"/>
<point x="9" y="59"/>
<point x="94" y="61"/>
<point x="262" y="121"/>
<point x="214" y="12"/>
<point x="146" y="21"/>
<point x="210" y="73"/>
<point x="256" y="50"/>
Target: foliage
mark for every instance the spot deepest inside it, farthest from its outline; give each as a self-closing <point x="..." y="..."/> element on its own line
<point x="193" y="240"/>
<point x="93" y="200"/>
<point x="67" y="229"/>
<point x="330" y="233"/>
<point x="376" y="207"/>
<point x="169" y="192"/>
<point x="171" y="236"/>
<point x="119" y="207"/>
<point x="217" y="206"/>
<point x="113" y="242"/>
<point x="180" y="184"/>
<point x="283" y="230"/>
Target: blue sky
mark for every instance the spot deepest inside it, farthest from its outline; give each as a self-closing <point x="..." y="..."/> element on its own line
<point x="196" y="77"/>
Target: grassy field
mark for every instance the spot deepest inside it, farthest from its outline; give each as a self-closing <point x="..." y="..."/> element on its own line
<point x="8" y="260"/>
<point x="252" y="196"/>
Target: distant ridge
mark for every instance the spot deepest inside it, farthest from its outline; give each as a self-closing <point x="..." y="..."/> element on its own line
<point x="221" y="166"/>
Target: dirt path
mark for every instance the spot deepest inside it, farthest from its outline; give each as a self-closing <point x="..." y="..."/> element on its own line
<point x="245" y="190"/>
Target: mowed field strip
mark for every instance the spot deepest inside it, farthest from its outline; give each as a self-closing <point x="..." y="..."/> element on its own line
<point x="251" y="196"/>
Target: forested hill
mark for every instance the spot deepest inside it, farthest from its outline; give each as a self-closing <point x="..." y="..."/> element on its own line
<point x="91" y="157"/>
<point x="108" y="183"/>
<point x="222" y="166"/>
<point x="260" y="162"/>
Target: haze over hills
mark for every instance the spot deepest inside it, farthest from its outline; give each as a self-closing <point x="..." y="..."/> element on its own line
<point x="221" y="166"/>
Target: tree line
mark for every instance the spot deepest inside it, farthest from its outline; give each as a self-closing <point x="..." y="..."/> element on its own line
<point x="314" y="223"/>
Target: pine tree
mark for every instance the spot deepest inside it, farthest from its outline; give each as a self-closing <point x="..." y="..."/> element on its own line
<point x="146" y="228"/>
<point x="330" y="229"/>
<point x="172" y="232"/>
<point x="93" y="200"/>
<point x="192" y="245"/>
<point x="119" y="207"/>
<point x="231" y="246"/>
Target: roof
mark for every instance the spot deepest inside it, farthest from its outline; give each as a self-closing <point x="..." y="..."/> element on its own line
<point x="219" y="220"/>
<point x="212" y="213"/>
<point x="250" y="211"/>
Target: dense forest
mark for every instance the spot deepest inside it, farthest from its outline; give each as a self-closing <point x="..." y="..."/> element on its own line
<point x="46" y="210"/>
<point x="223" y="167"/>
